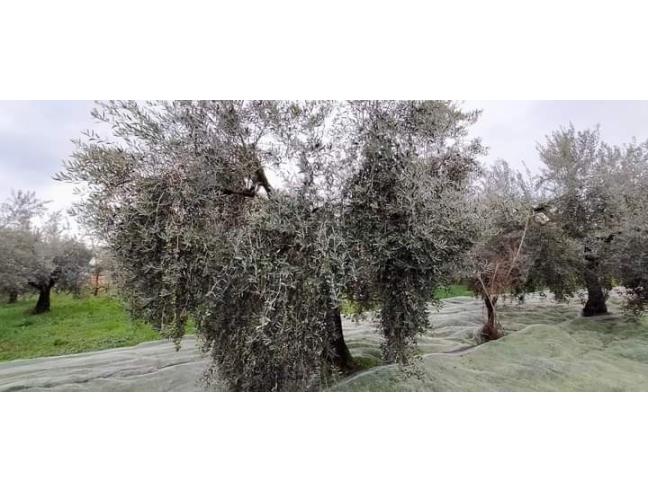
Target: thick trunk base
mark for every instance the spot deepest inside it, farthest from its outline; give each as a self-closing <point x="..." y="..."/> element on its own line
<point x="96" y="285"/>
<point x="43" y="303"/>
<point x="595" y="306"/>
<point x="338" y="354"/>
<point x="490" y="330"/>
<point x="13" y="297"/>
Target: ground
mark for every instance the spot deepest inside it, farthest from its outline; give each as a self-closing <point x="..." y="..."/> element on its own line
<point x="73" y="326"/>
<point x="547" y="347"/>
<point x="150" y="366"/>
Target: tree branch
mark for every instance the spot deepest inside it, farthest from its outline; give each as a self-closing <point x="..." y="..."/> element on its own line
<point x="519" y="249"/>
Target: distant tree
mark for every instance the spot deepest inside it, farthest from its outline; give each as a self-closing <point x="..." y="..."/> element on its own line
<point x="20" y="210"/>
<point x="520" y="248"/>
<point x="101" y="269"/>
<point x="500" y="258"/>
<point x="16" y="241"/>
<point x="407" y="211"/>
<point x="577" y="178"/>
<point x="555" y="258"/>
<point x="628" y="255"/>
<point x="16" y="255"/>
<point x="38" y="257"/>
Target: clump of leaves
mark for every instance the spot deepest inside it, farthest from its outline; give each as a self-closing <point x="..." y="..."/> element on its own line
<point x="266" y="316"/>
<point x="407" y="210"/>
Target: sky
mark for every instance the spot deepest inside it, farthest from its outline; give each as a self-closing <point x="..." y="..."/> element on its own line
<point x="35" y="139"/>
<point x="35" y="136"/>
<point x="512" y="129"/>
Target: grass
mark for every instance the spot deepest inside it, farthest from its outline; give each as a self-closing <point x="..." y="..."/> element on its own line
<point x="72" y="326"/>
<point x="455" y="290"/>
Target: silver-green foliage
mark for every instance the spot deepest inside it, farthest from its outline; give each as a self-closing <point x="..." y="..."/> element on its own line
<point x="36" y="255"/>
<point x="407" y="210"/>
<point x="628" y="244"/>
<point x="254" y="218"/>
<point x="265" y="316"/>
<point x="597" y="193"/>
<point x="182" y="197"/>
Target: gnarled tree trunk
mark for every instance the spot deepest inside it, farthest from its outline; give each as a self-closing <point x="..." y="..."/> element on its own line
<point x="43" y="303"/>
<point x="595" y="304"/>
<point x="490" y="330"/>
<point x="13" y="297"/>
<point x="44" y="289"/>
<point x="96" y="284"/>
<point x="337" y="354"/>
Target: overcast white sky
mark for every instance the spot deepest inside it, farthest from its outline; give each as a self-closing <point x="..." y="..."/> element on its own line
<point x="35" y="135"/>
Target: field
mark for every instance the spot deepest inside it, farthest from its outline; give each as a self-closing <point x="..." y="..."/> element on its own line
<point x="72" y="326"/>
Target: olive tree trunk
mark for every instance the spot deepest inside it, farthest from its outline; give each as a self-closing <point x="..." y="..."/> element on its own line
<point x="13" y="297"/>
<point x="43" y="303"/>
<point x="44" y="289"/>
<point x="595" y="304"/>
<point x="338" y="354"/>
<point x="95" y="292"/>
<point x="490" y="330"/>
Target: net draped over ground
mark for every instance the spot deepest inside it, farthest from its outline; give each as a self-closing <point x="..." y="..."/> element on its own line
<point x="548" y="347"/>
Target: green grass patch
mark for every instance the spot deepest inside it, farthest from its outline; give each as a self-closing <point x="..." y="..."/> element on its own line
<point x="455" y="290"/>
<point x="364" y="362"/>
<point x="349" y="308"/>
<point x="72" y="326"/>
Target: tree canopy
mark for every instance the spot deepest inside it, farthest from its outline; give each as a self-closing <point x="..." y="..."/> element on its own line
<point x="184" y="197"/>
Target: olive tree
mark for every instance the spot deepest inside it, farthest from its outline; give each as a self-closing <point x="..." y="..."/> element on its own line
<point x="101" y="269"/>
<point x="15" y="258"/>
<point x="59" y="262"/>
<point x="183" y="197"/>
<point x="16" y="241"/>
<point x="521" y="245"/>
<point x="629" y="257"/>
<point x="254" y="219"/>
<point x="499" y="261"/>
<point x="39" y="257"/>
<point x="270" y="314"/>
<point x="579" y="171"/>
<point x="407" y="211"/>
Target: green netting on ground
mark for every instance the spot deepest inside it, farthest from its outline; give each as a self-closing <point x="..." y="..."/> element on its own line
<point x="548" y="347"/>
